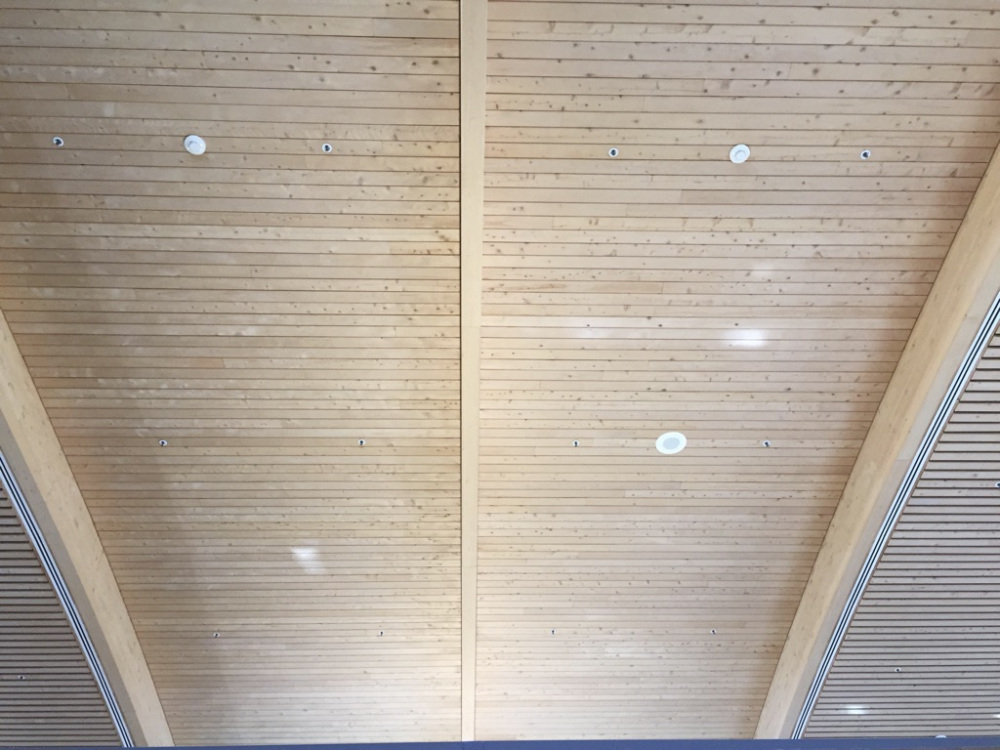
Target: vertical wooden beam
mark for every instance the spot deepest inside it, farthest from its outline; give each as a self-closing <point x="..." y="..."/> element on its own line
<point x="472" y="51"/>
<point x="44" y="476"/>
<point x="951" y="317"/>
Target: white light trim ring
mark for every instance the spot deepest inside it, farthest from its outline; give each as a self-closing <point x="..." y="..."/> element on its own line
<point x="670" y="443"/>
<point x="195" y="144"/>
<point x="739" y="153"/>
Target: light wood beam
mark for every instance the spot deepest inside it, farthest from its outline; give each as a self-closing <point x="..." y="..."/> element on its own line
<point x="958" y="302"/>
<point x="46" y="480"/>
<point x="473" y="158"/>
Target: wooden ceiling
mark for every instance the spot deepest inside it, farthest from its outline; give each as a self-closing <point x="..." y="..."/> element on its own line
<point x="667" y="288"/>
<point x="263" y="310"/>
<point x="367" y="432"/>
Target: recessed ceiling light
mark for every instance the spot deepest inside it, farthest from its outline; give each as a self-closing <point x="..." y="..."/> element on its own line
<point x="739" y="153"/>
<point x="670" y="443"/>
<point x="195" y="144"/>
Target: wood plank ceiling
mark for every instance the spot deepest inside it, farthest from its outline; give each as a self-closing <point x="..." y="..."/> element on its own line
<point x="667" y="288"/>
<point x="252" y="358"/>
<point x="264" y="310"/>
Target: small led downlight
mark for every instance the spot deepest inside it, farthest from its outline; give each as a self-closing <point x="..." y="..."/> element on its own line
<point x="739" y="153"/>
<point x="195" y="144"/>
<point x="670" y="443"/>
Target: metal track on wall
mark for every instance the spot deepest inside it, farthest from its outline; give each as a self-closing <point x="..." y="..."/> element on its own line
<point x="948" y="403"/>
<point x="65" y="598"/>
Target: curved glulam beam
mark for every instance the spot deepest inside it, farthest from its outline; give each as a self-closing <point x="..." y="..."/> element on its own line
<point x="958" y="302"/>
<point x="44" y="476"/>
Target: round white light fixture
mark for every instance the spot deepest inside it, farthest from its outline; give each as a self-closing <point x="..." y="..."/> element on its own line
<point x="195" y="144"/>
<point x="866" y="154"/>
<point x="58" y="142"/>
<point x="612" y="152"/>
<point x="670" y="443"/>
<point x="739" y="153"/>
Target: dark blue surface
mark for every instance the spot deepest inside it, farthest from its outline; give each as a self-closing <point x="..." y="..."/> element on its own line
<point x="872" y="743"/>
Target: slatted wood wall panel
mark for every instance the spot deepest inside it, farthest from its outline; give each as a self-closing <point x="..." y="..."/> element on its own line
<point x="921" y="655"/>
<point x="48" y="695"/>
<point x="262" y="308"/>
<point x="628" y="594"/>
